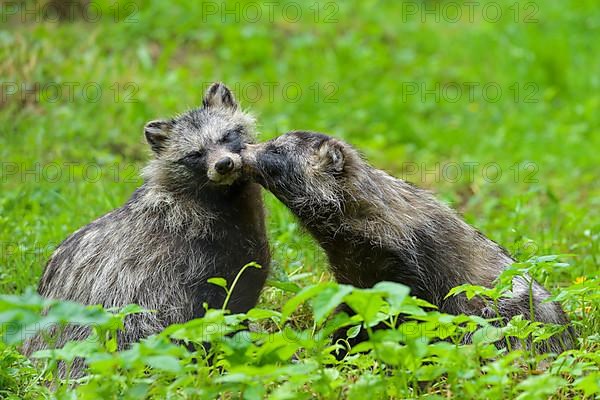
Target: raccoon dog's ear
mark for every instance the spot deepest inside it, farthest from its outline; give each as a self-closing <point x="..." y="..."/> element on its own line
<point x="219" y="95"/>
<point x="331" y="156"/>
<point x="157" y="133"/>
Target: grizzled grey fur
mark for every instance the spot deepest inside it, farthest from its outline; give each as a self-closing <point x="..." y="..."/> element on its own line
<point x="375" y="227"/>
<point x="194" y="218"/>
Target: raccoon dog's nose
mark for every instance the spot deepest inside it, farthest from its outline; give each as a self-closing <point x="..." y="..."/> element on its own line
<point x="224" y="165"/>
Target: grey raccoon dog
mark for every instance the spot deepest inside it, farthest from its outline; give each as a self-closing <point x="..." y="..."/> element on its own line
<point x="195" y="217"/>
<point x="375" y="228"/>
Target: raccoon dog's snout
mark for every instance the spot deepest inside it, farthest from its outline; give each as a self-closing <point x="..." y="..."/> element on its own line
<point x="224" y="165"/>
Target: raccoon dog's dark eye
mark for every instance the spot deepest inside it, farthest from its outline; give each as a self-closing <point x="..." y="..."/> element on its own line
<point x="194" y="155"/>
<point x="192" y="158"/>
<point x="233" y="134"/>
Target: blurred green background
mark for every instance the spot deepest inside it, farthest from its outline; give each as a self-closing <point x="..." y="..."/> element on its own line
<point x="504" y="93"/>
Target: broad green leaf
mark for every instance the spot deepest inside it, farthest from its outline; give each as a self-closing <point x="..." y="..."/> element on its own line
<point x="221" y="282"/>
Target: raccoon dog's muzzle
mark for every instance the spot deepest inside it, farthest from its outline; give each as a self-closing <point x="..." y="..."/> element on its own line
<point x="224" y="167"/>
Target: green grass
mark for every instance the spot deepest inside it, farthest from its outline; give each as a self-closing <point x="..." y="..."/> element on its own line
<point x="66" y="162"/>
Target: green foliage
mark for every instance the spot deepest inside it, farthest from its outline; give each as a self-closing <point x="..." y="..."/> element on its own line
<point x="425" y="355"/>
<point x="66" y="161"/>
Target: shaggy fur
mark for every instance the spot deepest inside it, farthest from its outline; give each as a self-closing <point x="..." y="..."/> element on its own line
<point x="187" y="223"/>
<point x="375" y="228"/>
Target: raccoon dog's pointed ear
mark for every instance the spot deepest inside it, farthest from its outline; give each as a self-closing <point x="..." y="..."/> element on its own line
<point x="157" y="133"/>
<point x="219" y="95"/>
<point x="332" y="155"/>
